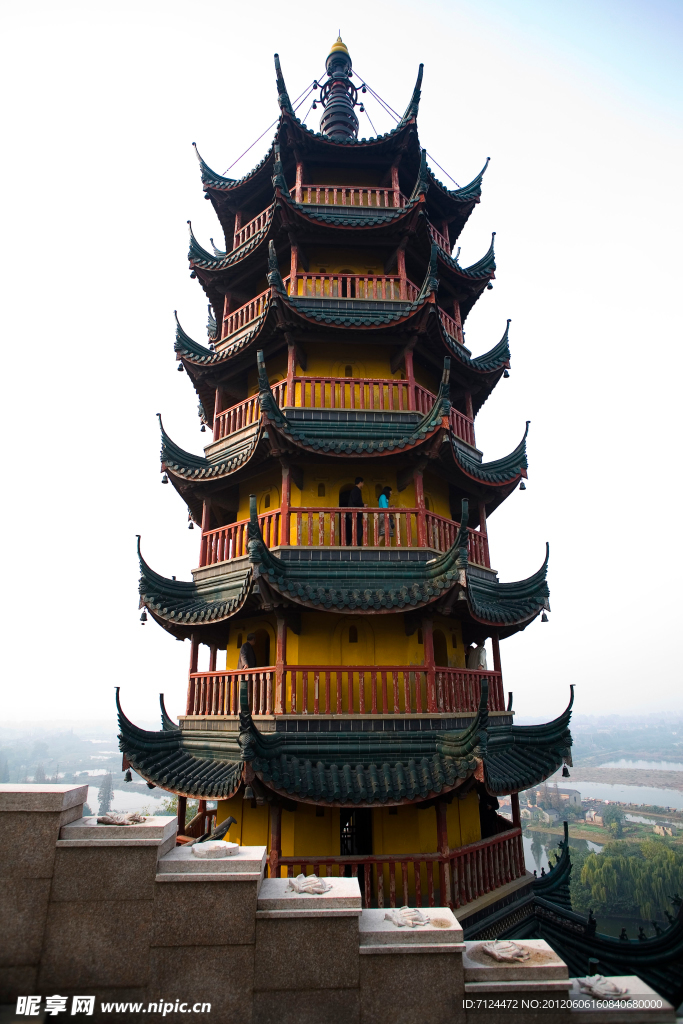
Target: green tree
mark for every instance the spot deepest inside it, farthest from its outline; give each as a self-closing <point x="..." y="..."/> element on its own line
<point x="105" y="794"/>
<point x="613" y="818"/>
<point x="629" y="879"/>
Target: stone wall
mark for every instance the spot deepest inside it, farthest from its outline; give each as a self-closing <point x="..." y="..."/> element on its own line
<point x="126" y="916"/>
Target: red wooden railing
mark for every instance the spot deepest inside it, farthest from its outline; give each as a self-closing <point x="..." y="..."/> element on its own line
<point x="243" y="234"/>
<point x="345" y="195"/>
<point x="363" y="393"/>
<point x="451" y="327"/>
<point x="342" y="527"/>
<point x="440" y="239"/>
<point x="244" y="413"/>
<point x="344" y="690"/>
<point x="456" y="878"/>
<point x="233" y="322"/>
<point x="354" y="286"/>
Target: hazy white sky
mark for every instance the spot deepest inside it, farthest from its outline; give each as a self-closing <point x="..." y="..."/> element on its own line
<point x="578" y="105"/>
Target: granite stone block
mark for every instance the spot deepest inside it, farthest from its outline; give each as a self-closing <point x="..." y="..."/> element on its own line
<point x="307" y="953"/>
<point x="204" y="913"/>
<point x="17" y="981"/>
<point x="658" y="1012"/>
<point x="28" y="841"/>
<point x="412" y="989"/>
<point x="23" y="912"/>
<point x="155" y="827"/>
<point x="249" y="860"/>
<point x="376" y="930"/>
<point x="328" y="1006"/>
<point x="16" y="796"/>
<point x="108" y="872"/>
<point x="220" y="975"/>
<point x="543" y="964"/>
<point x="276" y="894"/>
<point x="103" y="943"/>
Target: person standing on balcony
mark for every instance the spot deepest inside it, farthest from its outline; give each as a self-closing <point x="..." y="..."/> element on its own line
<point x="247" y="657"/>
<point x="476" y="658"/>
<point x="355" y="501"/>
<point x="384" y="503"/>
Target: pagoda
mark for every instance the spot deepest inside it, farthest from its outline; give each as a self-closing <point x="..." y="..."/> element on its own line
<point x="370" y="738"/>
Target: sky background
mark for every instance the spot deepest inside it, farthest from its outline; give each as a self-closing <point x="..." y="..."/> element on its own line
<point x="579" y="107"/>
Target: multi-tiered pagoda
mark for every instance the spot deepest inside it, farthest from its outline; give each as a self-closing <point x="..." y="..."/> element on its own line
<point x="370" y="737"/>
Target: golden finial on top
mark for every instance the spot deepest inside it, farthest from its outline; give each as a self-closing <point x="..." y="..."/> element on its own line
<point x="339" y="46"/>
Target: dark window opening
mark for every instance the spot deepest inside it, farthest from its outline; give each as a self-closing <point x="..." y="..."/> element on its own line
<point x="262" y="647"/>
<point x="266" y="501"/>
<point x="419" y="637"/>
<point x="239" y="639"/>
<point x="321" y="490"/>
<point x="454" y="639"/>
<point x="348" y="371"/>
<point x="440" y="648"/>
<point x="353" y="634"/>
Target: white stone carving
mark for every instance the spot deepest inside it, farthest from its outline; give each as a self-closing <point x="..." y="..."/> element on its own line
<point x="601" y="988"/>
<point x="214" y="849"/>
<point x="506" y="952"/>
<point x="406" y="917"/>
<point x="121" y="819"/>
<point x="309" y="884"/>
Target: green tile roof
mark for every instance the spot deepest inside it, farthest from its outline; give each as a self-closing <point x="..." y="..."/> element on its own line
<point x="351" y="767"/>
<point x="496" y="473"/>
<point x="175" y="603"/>
<point x="467" y="192"/>
<point x="236" y="453"/>
<point x="367" y="436"/>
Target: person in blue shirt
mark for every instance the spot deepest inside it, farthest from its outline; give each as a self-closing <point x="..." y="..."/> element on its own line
<point x="384" y="503"/>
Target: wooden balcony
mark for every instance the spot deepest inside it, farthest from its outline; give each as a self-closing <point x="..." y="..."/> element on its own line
<point x="452" y="328"/>
<point x="335" y="526"/>
<point x="361" y="393"/>
<point x="367" y="197"/>
<point x="365" y="287"/>
<point x="305" y="690"/>
<point x="440" y="239"/>
<point x="454" y="878"/>
<point x="243" y="234"/>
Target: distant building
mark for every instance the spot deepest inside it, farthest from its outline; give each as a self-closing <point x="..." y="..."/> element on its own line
<point x="572" y="796"/>
<point x="663" y="830"/>
<point x="594" y="818"/>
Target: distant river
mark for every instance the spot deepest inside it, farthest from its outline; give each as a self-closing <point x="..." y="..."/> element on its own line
<point x="659" y="766"/>
<point x="631" y="794"/>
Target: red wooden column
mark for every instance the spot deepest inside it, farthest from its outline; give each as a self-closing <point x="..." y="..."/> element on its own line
<point x="421" y="517"/>
<point x="495" y="644"/>
<point x="194" y="660"/>
<point x="213" y="654"/>
<point x="514" y="803"/>
<point x="182" y="814"/>
<point x="401" y="260"/>
<point x="428" y="641"/>
<point x="458" y="321"/>
<point x="410" y="377"/>
<point x="275" y="841"/>
<point x="280" y="662"/>
<point x="299" y="181"/>
<point x="206" y="526"/>
<point x="395" y="185"/>
<point x="202" y="810"/>
<point x="217" y="409"/>
<point x="285" y="503"/>
<point x="444" y="232"/>
<point x="291" y="373"/>
<point x="444" y="849"/>
<point x="294" y="270"/>
<point x="484" y="531"/>
<point x="237" y="228"/>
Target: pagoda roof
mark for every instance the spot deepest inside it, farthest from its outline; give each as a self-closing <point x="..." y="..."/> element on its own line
<point x="500" y="472"/>
<point x="181" y="607"/>
<point x="369" y="583"/>
<point x="336" y="433"/>
<point x="346" y="768"/>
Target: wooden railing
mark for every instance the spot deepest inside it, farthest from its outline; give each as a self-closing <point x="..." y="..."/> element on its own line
<point x="203" y="821"/>
<point x="244" y="413"/>
<point x="231" y="541"/>
<point x="344" y="690"/>
<point x="440" y="239"/>
<point x="362" y="393"/>
<point x="343" y="527"/>
<point x="345" y="195"/>
<point x="243" y="234"/>
<point x="368" y="287"/>
<point x="233" y="322"/>
<point x="454" y="879"/>
<point x="451" y="327"/>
